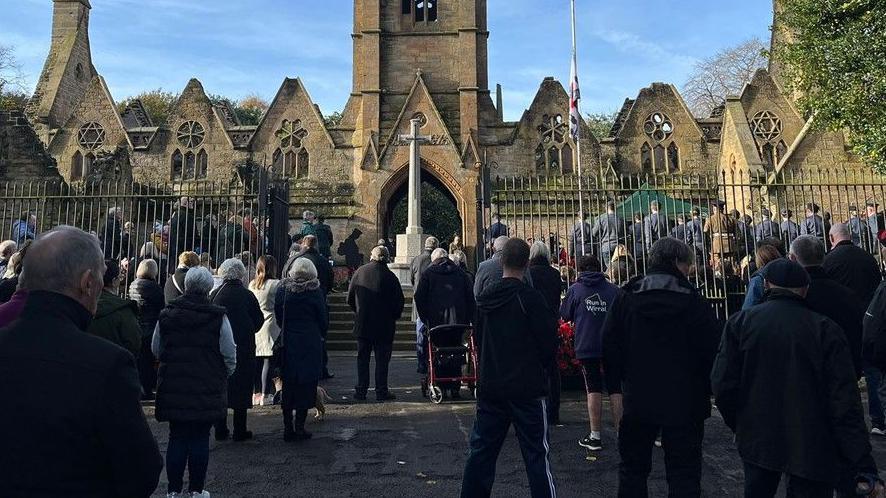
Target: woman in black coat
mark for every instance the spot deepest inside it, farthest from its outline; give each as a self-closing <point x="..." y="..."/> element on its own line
<point x="546" y="280"/>
<point x="146" y="292"/>
<point x="246" y="319"/>
<point x="300" y="309"/>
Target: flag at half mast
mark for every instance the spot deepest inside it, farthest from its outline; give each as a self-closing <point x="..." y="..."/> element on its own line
<point x="574" y="92"/>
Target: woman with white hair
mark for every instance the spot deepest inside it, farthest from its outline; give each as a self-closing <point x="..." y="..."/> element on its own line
<point x="148" y="295"/>
<point x="246" y="319"/>
<point x="300" y="309"/>
<point x="195" y="345"/>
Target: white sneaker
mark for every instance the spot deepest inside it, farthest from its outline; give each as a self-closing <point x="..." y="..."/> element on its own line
<point x="173" y="495"/>
<point x="267" y="400"/>
<point x="256" y="399"/>
<point x="204" y="494"/>
<point x="878" y="431"/>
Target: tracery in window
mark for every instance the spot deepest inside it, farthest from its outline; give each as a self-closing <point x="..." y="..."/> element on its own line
<point x="658" y="127"/>
<point x="554" y="154"/>
<point x="191" y="134"/>
<point x="291" y="159"/>
<point x="91" y="136"/>
<point x="425" y="10"/>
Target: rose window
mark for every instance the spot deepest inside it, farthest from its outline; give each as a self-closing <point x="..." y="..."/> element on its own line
<point x="291" y="134"/>
<point x="658" y="126"/>
<point x="766" y="126"/>
<point x="191" y="134"/>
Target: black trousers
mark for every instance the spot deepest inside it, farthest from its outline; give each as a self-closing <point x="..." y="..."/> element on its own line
<point x="554" y="387"/>
<point x="682" y="455"/>
<point x="365" y="348"/>
<point x="221" y="427"/>
<point x="763" y="483"/>
<point x="146" y="372"/>
<point x="494" y="418"/>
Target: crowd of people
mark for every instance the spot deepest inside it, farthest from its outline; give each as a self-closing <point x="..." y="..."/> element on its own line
<point x="783" y="372"/>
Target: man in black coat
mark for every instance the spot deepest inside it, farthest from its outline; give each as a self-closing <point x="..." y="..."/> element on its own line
<point x="375" y="295"/>
<point x="829" y="298"/>
<point x="659" y="341"/>
<point x="418" y="265"/>
<point x="851" y="265"/>
<point x="517" y="340"/>
<point x="546" y="280"/>
<point x="91" y="439"/>
<point x="246" y="319"/>
<point x="444" y="297"/>
<point x="182" y="230"/>
<point x="112" y="233"/>
<point x="791" y="397"/>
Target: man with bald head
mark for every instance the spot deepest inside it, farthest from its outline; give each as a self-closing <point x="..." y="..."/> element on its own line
<point x="490" y="271"/>
<point x="851" y="265"/>
<point x="72" y="424"/>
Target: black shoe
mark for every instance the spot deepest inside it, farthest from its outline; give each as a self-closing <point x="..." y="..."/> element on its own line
<point x="591" y="443"/>
<point x="424" y="389"/>
<point x="387" y="396"/>
<point x="222" y="435"/>
<point x="360" y="396"/>
<point x="243" y="436"/>
<point x="301" y="435"/>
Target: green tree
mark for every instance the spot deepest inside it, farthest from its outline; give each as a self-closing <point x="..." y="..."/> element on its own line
<point x="157" y="103"/>
<point x="332" y="120"/>
<point x="249" y="110"/>
<point x="601" y="123"/>
<point x="835" y="60"/>
<point x="439" y="214"/>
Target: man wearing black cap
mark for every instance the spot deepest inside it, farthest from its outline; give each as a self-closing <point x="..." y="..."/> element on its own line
<point x="813" y="224"/>
<point x="695" y="231"/>
<point x="789" y="229"/>
<point x="721" y="230"/>
<point x="791" y="398"/>
<point x="766" y="227"/>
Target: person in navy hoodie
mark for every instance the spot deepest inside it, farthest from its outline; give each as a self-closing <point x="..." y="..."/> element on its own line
<point x="587" y="303"/>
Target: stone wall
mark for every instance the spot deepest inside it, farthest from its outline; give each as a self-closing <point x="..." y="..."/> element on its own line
<point x="22" y="155"/>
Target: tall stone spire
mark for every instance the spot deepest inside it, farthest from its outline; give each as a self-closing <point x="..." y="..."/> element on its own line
<point x="68" y="69"/>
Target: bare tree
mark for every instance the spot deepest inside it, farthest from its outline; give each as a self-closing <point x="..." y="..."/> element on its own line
<point x="12" y="90"/>
<point x="724" y="73"/>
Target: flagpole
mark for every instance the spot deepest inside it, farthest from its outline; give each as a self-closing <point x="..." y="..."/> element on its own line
<point x="577" y="133"/>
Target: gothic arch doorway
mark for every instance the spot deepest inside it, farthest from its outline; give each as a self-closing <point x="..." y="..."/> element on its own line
<point x="441" y="208"/>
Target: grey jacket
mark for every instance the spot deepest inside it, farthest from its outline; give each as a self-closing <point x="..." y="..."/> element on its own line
<point x="609" y="229"/>
<point x="490" y="272"/>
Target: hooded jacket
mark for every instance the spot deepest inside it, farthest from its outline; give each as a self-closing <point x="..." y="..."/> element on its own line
<point x="116" y="320"/>
<point x="587" y="303"/>
<point x="659" y="340"/>
<point x="791" y="397"/>
<point x="517" y="339"/>
<point x="443" y="295"/>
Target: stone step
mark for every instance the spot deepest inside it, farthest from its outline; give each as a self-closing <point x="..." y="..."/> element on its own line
<point x="337" y="315"/>
<point x="349" y="325"/>
<point x="400" y="346"/>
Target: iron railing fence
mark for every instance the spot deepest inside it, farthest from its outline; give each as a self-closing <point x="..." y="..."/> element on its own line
<point x="547" y="209"/>
<point x="137" y="221"/>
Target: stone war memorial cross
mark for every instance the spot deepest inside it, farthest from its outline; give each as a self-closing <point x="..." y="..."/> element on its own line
<point x="411" y="243"/>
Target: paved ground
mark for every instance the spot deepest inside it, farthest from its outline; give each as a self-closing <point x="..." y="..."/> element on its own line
<point x="412" y="448"/>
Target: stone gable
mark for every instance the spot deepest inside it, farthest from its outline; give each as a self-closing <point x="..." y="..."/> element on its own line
<point x="93" y="128"/>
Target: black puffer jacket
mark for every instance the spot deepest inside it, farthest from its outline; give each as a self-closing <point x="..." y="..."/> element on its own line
<point x="192" y="378"/>
<point x="660" y="339"/>
<point x="517" y="340"/>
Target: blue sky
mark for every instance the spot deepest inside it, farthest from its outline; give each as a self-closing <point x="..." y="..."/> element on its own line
<point x="239" y="47"/>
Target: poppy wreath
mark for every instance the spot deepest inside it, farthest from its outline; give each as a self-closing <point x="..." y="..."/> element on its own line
<point x="566" y="361"/>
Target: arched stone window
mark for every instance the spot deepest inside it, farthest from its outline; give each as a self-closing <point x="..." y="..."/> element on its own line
<point x="658" y="157"/>
<point x="77" y="166"/>
<point x="767" y="128"/>
<point x="673" y="158"/>
<point x="422" y="10"/>
<point x="646" y="159"/>
<point x="190" y="166"/>
<point x="554" y="154"/>
<point x="88" y="161"/>
<point x="290" y="155"/>
<point x="202" y="164"/>
<point x="178" y="161"/>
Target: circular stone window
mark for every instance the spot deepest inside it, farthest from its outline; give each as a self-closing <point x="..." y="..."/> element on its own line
<point x="91" y="136"/>
<point x="658" y="126"/>
<point x="766" y="126"/>
<point x="422" y="119"/>
<point x="191" y="134"/>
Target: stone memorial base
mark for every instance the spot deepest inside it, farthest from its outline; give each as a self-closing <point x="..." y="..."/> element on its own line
<point x="409" y="245"/>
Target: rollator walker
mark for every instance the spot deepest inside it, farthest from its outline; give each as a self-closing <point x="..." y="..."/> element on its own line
<point x="452" y="358"/>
